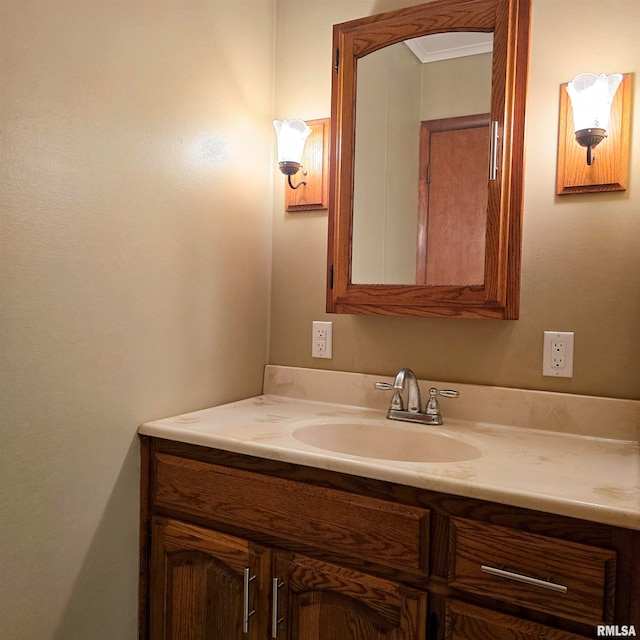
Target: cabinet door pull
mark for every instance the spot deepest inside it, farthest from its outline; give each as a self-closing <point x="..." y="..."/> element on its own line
<point x="493" y="156"/>
<point x="519" y="577"/>
<point x="275" y="619"/>
<point x="247" y="612"/>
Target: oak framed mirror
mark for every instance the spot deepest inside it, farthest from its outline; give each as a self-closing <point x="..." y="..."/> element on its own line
<point x="427" y="161"/>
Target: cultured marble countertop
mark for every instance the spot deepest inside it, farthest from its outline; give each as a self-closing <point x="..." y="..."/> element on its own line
<point x="595" y="479"/>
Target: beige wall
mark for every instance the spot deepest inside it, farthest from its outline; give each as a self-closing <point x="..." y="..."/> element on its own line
<point x="456" y="87"/>
<point x="581" y="264"/>
<point x="136" y="197"/>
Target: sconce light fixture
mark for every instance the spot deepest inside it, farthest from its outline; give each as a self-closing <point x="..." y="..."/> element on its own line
<point x="594" y="110"/>
<point x="304" y="146"/>
<point x="292" y="135"/>
<point x="591" y="97"/>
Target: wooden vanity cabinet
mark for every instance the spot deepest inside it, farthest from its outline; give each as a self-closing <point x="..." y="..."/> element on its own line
<point x="237" y="547"/>
<point x="209" y="524"/>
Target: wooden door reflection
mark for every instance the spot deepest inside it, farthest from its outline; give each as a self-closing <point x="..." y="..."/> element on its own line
<point x="453" y="190"/>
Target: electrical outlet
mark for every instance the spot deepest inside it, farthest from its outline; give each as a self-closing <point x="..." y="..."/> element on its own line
<point x="322" y="340"/>
<point x="557" y="354"/>
<point x="319" y="331"/>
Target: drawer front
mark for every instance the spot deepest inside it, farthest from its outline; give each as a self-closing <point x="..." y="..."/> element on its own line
<point x="381" y="532"/>
<point x="469" y="622"/>
<point x="568" y="579"/>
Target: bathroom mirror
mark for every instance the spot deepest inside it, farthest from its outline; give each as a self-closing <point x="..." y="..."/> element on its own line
<point x="426" y="166"/>
<point x="422" y="114"/>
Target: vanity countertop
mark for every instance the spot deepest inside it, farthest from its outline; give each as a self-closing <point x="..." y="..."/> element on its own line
<point x="591" y="478"/>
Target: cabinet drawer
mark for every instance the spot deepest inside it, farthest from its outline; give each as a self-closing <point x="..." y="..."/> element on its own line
<point x="469" y="622"/>
<point x="568" y="579"/>
<point x="381" y="532"/>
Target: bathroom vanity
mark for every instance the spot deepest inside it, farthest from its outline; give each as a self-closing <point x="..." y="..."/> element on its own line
<point x="250" y="532"/>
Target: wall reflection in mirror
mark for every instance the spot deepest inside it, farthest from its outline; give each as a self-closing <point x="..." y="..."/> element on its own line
<point x="421" y="165"/>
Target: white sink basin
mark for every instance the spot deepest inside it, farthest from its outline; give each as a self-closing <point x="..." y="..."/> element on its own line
<point x="370" y="440"/>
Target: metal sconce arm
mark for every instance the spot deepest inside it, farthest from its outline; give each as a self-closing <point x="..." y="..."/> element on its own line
<point x="301" y="183"/>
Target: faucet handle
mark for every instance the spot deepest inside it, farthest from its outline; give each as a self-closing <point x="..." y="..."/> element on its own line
<point x="433" y="406"/>
<point x="396" y="400"/>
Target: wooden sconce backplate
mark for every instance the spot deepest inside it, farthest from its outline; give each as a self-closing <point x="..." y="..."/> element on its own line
<point x="314" y="170"/>
<point x="610" y="168"/>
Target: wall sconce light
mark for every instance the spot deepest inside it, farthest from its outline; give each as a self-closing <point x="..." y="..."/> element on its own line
<point x="291" y="134"/>
<point x="594" y="110"/>
<point x="304" y="145"/>
<point x="591" y="97"/>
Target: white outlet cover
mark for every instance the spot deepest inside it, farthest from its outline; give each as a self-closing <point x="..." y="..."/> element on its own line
<point x="551" y="338"/>
<point x="322" y="339"/>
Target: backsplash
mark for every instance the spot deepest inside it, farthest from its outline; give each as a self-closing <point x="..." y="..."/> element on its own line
<point x="559" y="412"/>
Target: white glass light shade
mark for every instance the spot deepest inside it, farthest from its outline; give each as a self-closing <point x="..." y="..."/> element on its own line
<point x="591" y="98"/>
<point x="292" y="135"/>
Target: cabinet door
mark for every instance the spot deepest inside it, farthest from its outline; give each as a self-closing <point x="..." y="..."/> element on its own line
<point x="470" y="622"/>
<point x="319" y="600"/>
<point x="206" y="585"/>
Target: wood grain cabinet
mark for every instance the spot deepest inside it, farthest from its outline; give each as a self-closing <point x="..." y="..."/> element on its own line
<point x="366" y="166"/>
<point x="469" y="622"/>
<point x="568" y="579"/>
<point x="241" y="548"/>
<point x="205" y="584"/>
<point x="323" y="600"/>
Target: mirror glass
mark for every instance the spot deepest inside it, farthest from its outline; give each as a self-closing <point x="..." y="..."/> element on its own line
<point x="421" y="165"/>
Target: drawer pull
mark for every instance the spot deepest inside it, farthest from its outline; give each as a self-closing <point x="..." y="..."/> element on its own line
<point x="519" y="577"/>
<point x="247" y="613"/>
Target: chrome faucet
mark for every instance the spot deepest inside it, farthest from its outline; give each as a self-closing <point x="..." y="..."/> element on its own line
<point x="413" y="393"/>
<point x="413" y="412"/>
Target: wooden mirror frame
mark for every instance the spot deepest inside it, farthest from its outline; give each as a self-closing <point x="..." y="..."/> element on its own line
<point x="499" y="296"/>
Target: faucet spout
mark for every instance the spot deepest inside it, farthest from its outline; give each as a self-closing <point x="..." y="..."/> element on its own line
<point x="413" y="412"/>
<point x="413" y="400"/>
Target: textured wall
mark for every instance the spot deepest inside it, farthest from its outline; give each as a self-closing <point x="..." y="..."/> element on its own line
<point x="581" y="255"/>
<point x="136" y="200"/>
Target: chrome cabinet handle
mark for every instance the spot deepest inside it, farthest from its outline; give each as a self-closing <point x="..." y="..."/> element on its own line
<point x="247" y="612"/>
<point x="493" y="161"/>
<point x="519" y="577"/>
<point x="275" y="620"/>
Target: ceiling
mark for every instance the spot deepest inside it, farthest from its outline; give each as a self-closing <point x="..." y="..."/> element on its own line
<point x="443" y="46"/>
